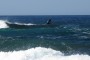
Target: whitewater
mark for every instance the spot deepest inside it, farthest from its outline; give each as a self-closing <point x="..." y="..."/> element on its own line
<point x="3" y="24"/>
<point x="40" y="53"/>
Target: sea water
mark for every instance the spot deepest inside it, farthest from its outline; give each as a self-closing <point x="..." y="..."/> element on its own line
<point x="69" y="39"/>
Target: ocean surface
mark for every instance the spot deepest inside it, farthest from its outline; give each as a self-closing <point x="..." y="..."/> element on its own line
<point x="67" y="39"/>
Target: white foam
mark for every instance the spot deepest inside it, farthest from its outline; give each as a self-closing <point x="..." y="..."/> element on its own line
<point x="24" y="23"/>
<point x="3" y="24"/>
<point x="40" y="53"/>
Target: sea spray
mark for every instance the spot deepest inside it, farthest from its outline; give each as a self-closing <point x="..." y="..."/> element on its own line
<point x="40" y="53"/>
<point x="3" y="24"/>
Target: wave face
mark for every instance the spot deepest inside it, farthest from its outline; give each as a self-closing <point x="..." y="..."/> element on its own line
<point x="16" y="25"/>
<point x="3" y="24"/>
<point x="40" y="53"/>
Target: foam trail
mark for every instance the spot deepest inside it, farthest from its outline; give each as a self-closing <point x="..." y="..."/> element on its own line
<point x="3" y="24"/>
<point x="40" y="53"/>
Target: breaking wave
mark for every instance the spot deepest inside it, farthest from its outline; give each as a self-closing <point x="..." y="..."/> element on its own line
<point x="40" y="53"/>
<point x="23" y="23"/>
<point x="16" y="25"/>
<point x="3" y="24"/>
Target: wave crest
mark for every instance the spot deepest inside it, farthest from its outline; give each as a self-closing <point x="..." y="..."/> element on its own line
<point x="3" y="24"/>
<point x="23" y="23"/>
<point x="40" y="53"/>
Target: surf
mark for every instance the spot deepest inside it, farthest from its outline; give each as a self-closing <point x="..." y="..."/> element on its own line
<point x="40" y="53"/>
<point x="19" y="25"/>
<point x="3" y="24"/>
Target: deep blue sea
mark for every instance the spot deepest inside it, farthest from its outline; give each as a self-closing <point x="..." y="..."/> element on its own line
<point x="67" y="39"/>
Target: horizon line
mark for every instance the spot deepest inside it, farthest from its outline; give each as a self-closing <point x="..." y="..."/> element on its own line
<point x="36" y="15"/>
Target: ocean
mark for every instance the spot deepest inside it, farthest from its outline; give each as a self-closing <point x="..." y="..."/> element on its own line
<point x="67" y="39"/>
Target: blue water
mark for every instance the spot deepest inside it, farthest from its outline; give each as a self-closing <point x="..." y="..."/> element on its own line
<point x="70" y="35"/>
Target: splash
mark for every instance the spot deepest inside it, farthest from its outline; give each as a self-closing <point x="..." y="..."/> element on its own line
<point x="40" y="53"/>
<point x="3" y="24"/>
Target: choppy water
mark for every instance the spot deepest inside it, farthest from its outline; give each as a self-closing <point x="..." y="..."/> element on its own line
<point x="68" y="39"/>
